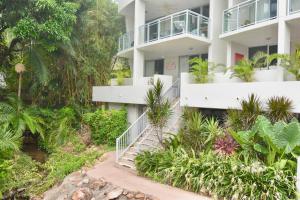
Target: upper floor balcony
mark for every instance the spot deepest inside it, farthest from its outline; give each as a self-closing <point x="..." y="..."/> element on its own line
<point x="249" y="13"/>
<point x="293" y="6"/>
<point x="126" y="41"/>
<point x="180" y="23"/>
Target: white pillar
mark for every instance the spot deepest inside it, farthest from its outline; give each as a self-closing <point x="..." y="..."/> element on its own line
<point x="229" y="54"/>
<point x="284" y="35"/>
<point x="138" y="56"/>
<point x="230" y="3"/>
<point x="217" y="49"/>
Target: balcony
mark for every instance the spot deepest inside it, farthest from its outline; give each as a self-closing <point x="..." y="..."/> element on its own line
<point x="126" y="41"/>
<point x="249" y="13"/>
<point x="293" y="6"/>
<point x="184" y="22"/>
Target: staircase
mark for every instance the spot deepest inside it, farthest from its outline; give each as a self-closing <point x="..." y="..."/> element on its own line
<point x="140" y="136"/>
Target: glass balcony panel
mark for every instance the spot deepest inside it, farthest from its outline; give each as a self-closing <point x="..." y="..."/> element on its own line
<point x="165" y="28"/>
<point x="179" y="24"/>
<point x="247" y="14"/>
<point x="153" y="31"/>
<point x="230" y="20"/>
<point x="172" y="25"/>
<point x="294" y="6"/>
<point x="203" y="27"/>
<point x="193" y="22"/>
<point x="263" y="10"/>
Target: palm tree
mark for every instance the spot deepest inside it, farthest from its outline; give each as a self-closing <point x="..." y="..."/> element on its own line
<point x="199" y="70"/>
<point x="20" y="69"/>
<point x="159" y="109"/>
<point x="262" y="59"/>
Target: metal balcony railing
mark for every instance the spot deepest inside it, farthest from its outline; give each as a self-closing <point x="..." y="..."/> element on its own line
<point x="249" y="13"/>
<point x="126" y="41"/>
<point x="293" y="6"/>
<point x="184" y="22"/>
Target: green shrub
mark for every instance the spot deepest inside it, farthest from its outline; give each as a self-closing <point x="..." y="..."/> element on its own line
<point x="106" y="125"/>
<point x="197" y="132"/>
<point x="218" y="176"/>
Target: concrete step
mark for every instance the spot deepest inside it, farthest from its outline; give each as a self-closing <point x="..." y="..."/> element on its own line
<point x="127" y="163"/>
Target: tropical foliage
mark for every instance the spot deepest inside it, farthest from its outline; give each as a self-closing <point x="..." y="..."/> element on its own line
<point x="243" y="70"/>
<point x="251" y="157"/>
<point x="159" y="109"/>
<point x="199" y="70"/>
<point x="106" y="126"/>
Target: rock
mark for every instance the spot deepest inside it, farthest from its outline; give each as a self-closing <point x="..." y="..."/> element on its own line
<point x="85" y="181"/>
<point x="97" y="184"/>
<point x="82" y="194"/>
<point x="125" y="192"/>
<point x="130" y="196"/>
<point x="140" y="196"/>
<point x="114" y="193"/>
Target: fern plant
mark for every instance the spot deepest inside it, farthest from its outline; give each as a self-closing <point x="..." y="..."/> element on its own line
<point x="199" y="70"/>
<point x="9" y="140"/>
<point x="18" y="118"/>
<point x="279" y="109"/>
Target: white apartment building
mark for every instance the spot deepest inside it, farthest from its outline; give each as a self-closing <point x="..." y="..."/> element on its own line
<point x="162" y="35"/>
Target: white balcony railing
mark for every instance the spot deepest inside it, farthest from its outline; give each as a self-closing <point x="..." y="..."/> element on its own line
<point x="249" y="13"/>
<point x="293" y="6"/>
<point x="126" y="41"/>
<point x="184" y="22"/>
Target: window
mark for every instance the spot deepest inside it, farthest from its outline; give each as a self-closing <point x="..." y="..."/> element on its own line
<point x="159" y="67"/>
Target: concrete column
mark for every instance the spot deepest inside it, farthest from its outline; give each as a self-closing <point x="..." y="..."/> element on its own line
<point x="139" y="59"/>
<point x="230" y="3"/>
<point x="217" y="49"/>
<point x="229" y="54"/>
<point x="284" y="35"/>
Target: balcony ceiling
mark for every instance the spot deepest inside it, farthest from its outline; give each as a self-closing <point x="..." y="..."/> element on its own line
<point x="256" y="36"/>
<point x="160" y="8"/>
<point x="175" y="47"/>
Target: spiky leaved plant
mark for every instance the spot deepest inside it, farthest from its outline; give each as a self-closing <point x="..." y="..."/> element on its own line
<point x="159" y="109"/>
<point x="251" y="109"/>
<point x="279" y="109"/>
<point x="225" y="145"/>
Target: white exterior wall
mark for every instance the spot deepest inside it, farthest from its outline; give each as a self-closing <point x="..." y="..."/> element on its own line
<point x="232" y="49"/>
<point x="217" y="49"/>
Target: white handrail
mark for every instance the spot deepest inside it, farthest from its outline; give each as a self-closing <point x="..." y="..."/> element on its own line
<point x="137" y="129"/>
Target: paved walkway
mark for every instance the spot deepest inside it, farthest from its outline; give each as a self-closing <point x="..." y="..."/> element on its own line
<point x="128" y="179"/>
